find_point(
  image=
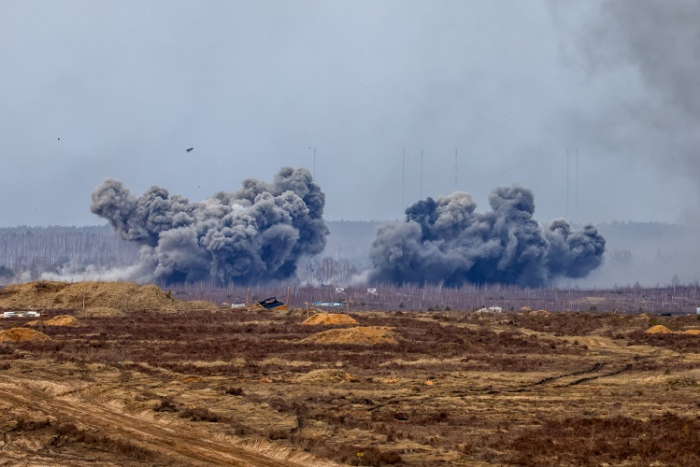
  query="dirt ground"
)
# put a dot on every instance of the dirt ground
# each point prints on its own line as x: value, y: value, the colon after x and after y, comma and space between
x: 254, y: 388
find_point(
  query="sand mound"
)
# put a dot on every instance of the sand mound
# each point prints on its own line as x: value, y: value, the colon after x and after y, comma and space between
x: 329, y: 318
x: 692, y: 332
x: 123, y: 296
x: 659, y: 329
x: 61, y: 320
x: 100, y: 312
x: 526, y: 309
x: 358, y: 335
x: 22, y: 335
x: 326, y: 376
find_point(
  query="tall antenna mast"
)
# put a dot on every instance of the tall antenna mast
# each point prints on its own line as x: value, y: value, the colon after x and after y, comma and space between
x: 456, y: 179
x: 576, y: 201
x: 567, y: 183
x: 403, y: 178
x: 421, y: 174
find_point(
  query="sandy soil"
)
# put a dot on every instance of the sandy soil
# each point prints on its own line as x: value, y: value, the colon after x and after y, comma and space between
x: 256, y: 388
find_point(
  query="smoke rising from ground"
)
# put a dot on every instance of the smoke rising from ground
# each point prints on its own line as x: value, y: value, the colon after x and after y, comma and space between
x: 650, y: 49
x: 256, y: 233
x: 446, y: 240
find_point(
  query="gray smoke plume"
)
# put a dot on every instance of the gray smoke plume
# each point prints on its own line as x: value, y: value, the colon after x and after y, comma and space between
x: 445, y: 240
x: 256, y: 233
x: 654, y: 47
x: 645, y: 53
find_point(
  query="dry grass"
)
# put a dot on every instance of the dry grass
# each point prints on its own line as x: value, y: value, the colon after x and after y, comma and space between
x: 123, y: 296
x: 100, y: 312
x: 450, y: 389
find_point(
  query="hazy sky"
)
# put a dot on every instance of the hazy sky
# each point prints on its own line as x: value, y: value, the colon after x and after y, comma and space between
x: 128, y: 86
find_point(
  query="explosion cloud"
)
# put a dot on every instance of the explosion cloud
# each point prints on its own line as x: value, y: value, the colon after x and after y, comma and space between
x: 447, y: 240
x: 256, y: 233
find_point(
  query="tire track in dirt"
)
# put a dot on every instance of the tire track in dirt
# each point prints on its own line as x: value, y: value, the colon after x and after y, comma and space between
x: 551, y: 379
x: 184, y: 444
x: 605, y: 375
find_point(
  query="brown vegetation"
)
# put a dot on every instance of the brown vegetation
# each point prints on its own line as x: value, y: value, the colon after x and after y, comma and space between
x: 100, y: 312
x: 451, y: 388
x: 123, y: 296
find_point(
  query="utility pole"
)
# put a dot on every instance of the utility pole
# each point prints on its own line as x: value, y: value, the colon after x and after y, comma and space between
x: 567, y: 183
x: 421, y: 174
x: 576, y: 200
x: 456, y: 167
x: 403, y: 179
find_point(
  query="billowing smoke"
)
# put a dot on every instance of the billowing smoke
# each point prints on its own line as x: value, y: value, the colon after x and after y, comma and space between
x: 446, y: 240
x: 643, y: 55
x: 256, y: 233
x: 653, y: 46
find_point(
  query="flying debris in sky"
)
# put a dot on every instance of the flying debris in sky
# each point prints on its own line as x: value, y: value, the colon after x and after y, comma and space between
x: 189, y: 149
x: 257, y: 233
x: 445, y: 240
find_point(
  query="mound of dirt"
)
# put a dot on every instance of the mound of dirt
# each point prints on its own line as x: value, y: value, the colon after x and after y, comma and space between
x: 329, y: 318
x: 326, y: 376
x: 123, y: 296
x: 692, y: 332
x: 60, y: 320
x: 304, y: 312
x: 659, y: 329
x: 358, y: 335
x: 22, y: 335
x: 100, y: 312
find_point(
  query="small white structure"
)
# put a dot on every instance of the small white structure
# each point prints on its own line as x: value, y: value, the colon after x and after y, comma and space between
x: 21, y: 314
x: 491, y: 309
x: 339, y: 289
x: 372, y: 291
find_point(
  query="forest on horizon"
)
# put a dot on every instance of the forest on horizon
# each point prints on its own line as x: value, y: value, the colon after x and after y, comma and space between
x: 637, y: 253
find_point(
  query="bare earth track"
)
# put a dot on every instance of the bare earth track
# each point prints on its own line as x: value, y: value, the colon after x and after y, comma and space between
x: 178, y: 444
x: 209, y: 387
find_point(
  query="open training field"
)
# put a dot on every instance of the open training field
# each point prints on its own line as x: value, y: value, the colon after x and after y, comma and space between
x: 207, y: 386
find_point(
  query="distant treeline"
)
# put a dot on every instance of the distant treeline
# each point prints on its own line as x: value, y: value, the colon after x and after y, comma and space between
x: 32, y: 250
x: 44, y: 248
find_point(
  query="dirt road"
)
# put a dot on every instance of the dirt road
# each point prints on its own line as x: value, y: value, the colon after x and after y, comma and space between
x: 181, y: 442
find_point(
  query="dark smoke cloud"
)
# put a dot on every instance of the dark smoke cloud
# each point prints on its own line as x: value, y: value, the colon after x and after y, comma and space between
x: 654, y: 47
x: 645, y: 52
x: 445, y: 239
x: 256, y: 233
